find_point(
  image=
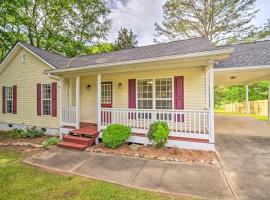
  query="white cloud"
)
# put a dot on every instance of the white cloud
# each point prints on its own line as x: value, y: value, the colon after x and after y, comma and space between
x: 138, y: 15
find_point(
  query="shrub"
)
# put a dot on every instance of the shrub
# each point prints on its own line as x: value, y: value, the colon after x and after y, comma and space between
x: 115, y: 135
x: 16, y: 133
x: 158, y: 133
x: 32, y: 132
x: 49, y: 142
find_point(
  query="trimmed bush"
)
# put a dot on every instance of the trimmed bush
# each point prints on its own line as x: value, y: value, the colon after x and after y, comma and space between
x: 50, y: 142
x: 158, y: 133
x: 32, y: 132
x: 115, y: 135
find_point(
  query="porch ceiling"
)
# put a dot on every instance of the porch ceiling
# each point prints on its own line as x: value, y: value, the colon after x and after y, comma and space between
x: 241, y: 75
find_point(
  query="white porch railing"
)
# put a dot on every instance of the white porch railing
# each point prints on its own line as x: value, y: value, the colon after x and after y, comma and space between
x: 68, y: 116
x: 182, y: 123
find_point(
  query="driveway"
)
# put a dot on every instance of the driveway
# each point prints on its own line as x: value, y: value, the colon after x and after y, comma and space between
x: 203, y: 180
x: 244, y: 147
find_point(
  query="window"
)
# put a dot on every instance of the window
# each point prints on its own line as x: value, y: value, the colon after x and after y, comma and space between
x: 106, y: 93
x: 145, y: 94
x: 164, y: 93
x: 9, y: 99
x: 155, y: 93
x: 46, y: 99
x: 23, y: 58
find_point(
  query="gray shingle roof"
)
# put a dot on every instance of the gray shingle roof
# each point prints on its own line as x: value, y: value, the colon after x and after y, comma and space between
x: 247, y: 54
x: 56, y: 60
x: 144, y: 52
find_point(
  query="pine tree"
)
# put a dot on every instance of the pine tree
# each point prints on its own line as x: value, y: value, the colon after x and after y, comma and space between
x: 126, y: 39
x: 218, y: 20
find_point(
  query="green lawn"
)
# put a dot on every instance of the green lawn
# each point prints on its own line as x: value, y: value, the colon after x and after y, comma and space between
x: 21, y: 181
x: 262, y: 118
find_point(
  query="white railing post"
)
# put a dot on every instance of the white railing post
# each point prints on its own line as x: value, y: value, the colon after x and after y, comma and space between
x: 78, y: 102
x: 211, y: 103
x: 247, y: 110
x: 99, y: 102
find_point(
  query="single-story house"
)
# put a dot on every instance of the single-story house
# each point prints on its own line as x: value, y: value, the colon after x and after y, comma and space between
x: 173, y: 82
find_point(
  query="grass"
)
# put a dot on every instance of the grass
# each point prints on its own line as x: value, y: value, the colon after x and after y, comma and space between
x: 21, y: 181
x: 262, y: 118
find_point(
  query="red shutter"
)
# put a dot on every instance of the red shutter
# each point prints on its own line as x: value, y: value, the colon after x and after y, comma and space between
x: 38, y: 99
x: 131, y: 95
x: 179, y: 95
x: 54, y: 99
x: 4, y: 99
x: 14, y: 99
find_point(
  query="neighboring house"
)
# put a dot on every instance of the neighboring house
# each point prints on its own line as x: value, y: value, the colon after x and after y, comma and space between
x: 172, y: 81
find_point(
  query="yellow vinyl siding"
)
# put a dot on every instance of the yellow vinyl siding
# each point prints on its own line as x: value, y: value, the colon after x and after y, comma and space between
x: 26, y: 75
x: 194, y: 89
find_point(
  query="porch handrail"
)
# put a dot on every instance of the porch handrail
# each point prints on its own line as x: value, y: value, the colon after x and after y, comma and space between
x: 182, y: 123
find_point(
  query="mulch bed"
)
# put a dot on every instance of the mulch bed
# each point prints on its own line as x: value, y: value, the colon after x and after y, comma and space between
x: 6, y: 140
x: 164, y: 154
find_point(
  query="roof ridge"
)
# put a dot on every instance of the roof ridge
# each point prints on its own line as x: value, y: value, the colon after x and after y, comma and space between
x: 156, y: 44
x: 243, y: 43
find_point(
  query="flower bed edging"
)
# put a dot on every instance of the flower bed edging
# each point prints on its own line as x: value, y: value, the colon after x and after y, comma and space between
x: 20, y: 144
x: 153, y: 157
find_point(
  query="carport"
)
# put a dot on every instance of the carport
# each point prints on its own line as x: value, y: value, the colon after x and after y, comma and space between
x: 249, y: 63
x: 243, y: 143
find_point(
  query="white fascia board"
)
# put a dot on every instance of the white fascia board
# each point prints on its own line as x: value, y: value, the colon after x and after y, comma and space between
x: 244, y: 68
x: 181, y: 56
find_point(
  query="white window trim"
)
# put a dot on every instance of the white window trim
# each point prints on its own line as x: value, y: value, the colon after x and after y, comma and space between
x: 154, y: 91
x: 6, y: 99
x: 46, y: 99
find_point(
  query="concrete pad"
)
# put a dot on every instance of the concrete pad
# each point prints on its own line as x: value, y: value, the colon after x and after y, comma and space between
x: 240, y: 125
x: 246, y: 162
x: 192, y: 179
x: 200, y: 180
x: 111, y: 168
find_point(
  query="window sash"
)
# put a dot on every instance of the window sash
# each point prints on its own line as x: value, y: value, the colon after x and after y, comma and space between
x: 106, y: 93
x: 160, y: 95
x: 46, y: 99
x: 9, y: 99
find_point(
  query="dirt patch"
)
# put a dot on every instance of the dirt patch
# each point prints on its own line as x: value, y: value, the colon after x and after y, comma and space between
x: 168, y: 154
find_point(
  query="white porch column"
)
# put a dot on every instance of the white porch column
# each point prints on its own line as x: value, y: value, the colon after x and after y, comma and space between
x: 70, y: 91
x: 247, y: 110
x: 211, y: 103
x: 269, y: 101
x: 98, y: 101
x: 78, y: 102
x: 61, y: 103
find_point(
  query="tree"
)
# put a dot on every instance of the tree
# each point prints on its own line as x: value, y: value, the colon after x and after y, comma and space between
x: 218, y: 20
x: 67, y: 27
x: 100, y: 48
x: 126, y: 39
x: 237, y: 93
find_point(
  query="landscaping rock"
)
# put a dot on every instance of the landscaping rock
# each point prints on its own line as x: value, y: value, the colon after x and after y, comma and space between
x: 134, y: 147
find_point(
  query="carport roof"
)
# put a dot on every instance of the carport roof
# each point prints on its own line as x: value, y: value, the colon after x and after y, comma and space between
x: 247, y: 55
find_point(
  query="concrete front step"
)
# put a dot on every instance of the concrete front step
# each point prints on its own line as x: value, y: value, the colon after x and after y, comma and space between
x: 71, y: 145
x: 78, y: 140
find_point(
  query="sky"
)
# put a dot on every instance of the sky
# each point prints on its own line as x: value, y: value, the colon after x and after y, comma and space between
x: 141, y: 15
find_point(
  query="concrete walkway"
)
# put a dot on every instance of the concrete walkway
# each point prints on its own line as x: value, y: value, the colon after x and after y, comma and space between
x: 205, y: 181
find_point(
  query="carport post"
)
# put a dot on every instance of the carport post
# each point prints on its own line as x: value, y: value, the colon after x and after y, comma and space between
x: 269, y: 101
x: 247, y: 110
x: 211, y: 103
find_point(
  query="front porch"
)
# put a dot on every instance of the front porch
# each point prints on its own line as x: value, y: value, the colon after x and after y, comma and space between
x: 104, y: 99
